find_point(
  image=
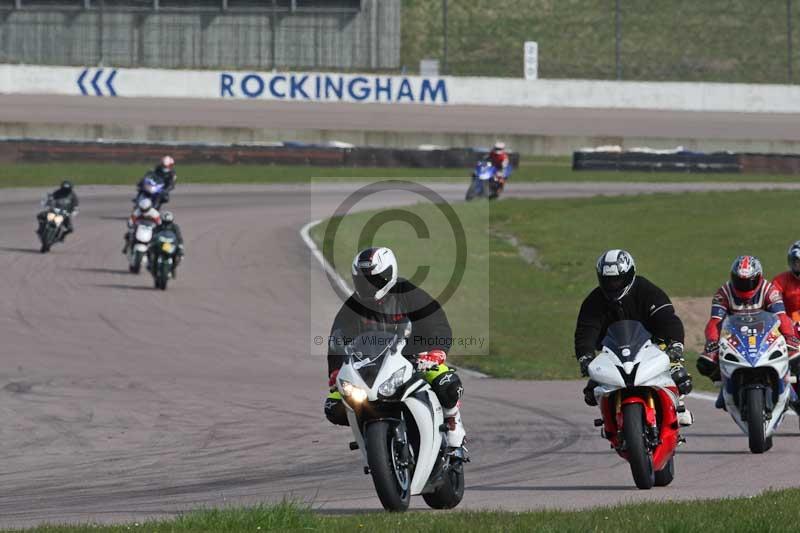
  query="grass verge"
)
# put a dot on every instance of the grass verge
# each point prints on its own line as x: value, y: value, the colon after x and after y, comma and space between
x: 531, y: 170
x: 770, y: 511
x: 684, y: 243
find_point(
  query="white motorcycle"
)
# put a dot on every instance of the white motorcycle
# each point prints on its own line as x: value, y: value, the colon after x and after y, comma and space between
x: 638, y: 400
x: 756, y: 383
x: 140, y: 236
x: 398, y: 424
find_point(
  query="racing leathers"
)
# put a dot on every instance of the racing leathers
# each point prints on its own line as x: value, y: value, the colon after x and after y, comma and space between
x: 645, y: 303
x: 137, y: 216
x: 176, y: 229
x: 766, y: 297
x: 65, y: 199
x: 788, y: 285
x: 430, y: 340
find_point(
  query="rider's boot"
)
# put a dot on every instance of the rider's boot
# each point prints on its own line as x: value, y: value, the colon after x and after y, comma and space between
x: 127, y: 243
x: 685, y: 417
x: 456, y: 434
x: 720, y: 403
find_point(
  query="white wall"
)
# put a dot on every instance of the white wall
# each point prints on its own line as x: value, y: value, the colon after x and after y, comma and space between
x: 324, y: 87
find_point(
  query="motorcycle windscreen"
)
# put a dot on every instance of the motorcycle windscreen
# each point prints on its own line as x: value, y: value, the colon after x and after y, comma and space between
x: 368, y: 351
x: 749, y: 333
x: 166, y: 236
x: 625, y: 338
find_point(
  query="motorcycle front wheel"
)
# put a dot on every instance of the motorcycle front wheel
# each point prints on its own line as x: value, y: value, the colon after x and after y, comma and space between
x: 638, y: 455
x: 756, y: 424
x: 136, y: 263
x: 392, y: 480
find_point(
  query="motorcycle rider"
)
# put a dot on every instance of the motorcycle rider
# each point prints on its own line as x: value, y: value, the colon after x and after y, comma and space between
x: 499, y: 158
x: 746, y: 291
x: 144, y: 211
x: 382, y: 300
x: 168, y: 224
x: 65, y: 198
x: 788, y: 285
x: 163, y: 172
x: 622, y: 295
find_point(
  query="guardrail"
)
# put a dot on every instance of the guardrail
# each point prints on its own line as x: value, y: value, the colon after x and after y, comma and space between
x: 45, y: 150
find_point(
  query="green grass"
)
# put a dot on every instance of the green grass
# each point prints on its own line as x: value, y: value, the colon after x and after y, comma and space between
x: 770, y: 511
x: 684, y: 243
x: 532, y: 170
x: 713, y: 40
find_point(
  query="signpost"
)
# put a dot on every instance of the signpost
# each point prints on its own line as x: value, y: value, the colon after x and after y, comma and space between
x: 531, y: 60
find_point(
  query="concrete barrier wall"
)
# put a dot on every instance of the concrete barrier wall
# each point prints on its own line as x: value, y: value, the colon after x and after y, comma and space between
x: 332, y: 87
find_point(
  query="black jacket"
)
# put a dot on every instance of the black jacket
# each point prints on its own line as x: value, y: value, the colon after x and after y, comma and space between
x: 430, y: 329
x: 65, y: 199
x: 645, y: 302
x: 173, y: 227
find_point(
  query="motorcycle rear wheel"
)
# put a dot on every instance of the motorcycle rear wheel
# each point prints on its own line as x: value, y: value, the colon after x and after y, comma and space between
x: 665, y: 476
x: 450, y: 493
x: 381, y: 457
x: 638, y: 455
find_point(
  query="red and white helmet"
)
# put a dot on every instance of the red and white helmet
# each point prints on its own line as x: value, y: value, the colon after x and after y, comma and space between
x: 167, y: 163
x: 374, y: 273
x: 746, y: 276
x: 499, y: 146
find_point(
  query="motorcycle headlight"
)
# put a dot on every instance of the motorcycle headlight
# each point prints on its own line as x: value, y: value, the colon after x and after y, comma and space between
x: 58, y: 219
x: 50, y: 217
x: 353, y: 393
x: 167, y: 247
x: 389, y: 387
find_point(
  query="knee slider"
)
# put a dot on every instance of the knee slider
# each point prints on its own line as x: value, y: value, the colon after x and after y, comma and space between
x: 448, y: 389
x: 335, y: 411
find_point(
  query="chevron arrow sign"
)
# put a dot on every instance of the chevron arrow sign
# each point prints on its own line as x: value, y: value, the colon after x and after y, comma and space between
x: 99, y: 82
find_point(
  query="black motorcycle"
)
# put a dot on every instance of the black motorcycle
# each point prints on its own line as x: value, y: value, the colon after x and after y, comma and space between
x: 162, y: 259
x: 52, y: 223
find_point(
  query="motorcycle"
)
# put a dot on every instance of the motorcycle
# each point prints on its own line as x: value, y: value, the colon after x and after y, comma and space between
x: 152, y: 189
x: 754, y: 366
x: 161, y: 258
x: 639, y: 402
x: 485, y: 181
x: 51, y: 231
x: 398, y: 424
x: 141, y: 234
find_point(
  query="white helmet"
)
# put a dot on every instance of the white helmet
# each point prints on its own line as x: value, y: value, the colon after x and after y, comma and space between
x: 145, y: 204
x: 616, y: 272
x: 499, y: 146
x: 374, y: 273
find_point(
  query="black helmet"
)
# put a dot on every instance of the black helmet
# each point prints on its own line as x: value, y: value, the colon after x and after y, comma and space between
x: 66, y: 185
x: 167, y: 216
x: 794, y: 259
x: 374, y: 273
x: 616, y: 273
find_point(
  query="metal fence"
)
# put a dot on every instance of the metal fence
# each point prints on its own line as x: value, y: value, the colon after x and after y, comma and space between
x: 302, y: 34
x: 688, y: 40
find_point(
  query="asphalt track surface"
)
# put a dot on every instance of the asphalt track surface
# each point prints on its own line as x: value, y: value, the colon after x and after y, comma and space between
x: 119, y: 402
x: 131, y: 112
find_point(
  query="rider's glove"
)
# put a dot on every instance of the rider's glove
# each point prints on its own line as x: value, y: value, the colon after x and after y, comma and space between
x: 430, y: 360
x: 584, y: 361
x: 675, y: 352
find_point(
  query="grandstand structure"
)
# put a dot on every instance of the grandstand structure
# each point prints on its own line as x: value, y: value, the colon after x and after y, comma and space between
x: 340, y: 35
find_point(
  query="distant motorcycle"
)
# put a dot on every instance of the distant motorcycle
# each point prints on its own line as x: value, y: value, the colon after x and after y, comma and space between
x: 51, y: 224
x: 141, y: 234
x: 398, y: 424
x: 485, y: 181
x: 152, y: 189
x: 638, y: 401
x: 162, y: 257
x: 754, y: 366
x: 53, y: 228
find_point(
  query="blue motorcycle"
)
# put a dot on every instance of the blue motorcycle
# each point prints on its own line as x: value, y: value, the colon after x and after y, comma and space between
x: 485, y: 181
x: 153, y: 189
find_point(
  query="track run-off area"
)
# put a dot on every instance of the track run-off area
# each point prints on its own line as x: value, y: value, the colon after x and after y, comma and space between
x: 120, y: 402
